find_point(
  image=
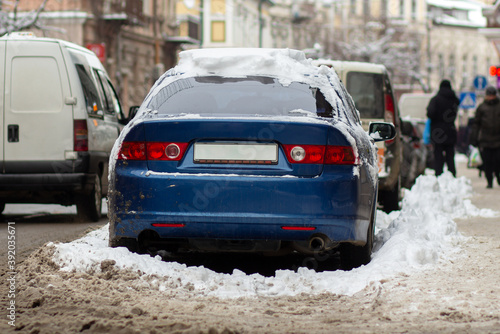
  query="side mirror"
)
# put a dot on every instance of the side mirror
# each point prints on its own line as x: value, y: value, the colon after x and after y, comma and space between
x: 132, y: 112
x: 381, y: 131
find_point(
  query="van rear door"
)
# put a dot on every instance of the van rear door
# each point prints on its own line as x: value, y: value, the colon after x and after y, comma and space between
x: 38, y: 119
x: 2, y: 90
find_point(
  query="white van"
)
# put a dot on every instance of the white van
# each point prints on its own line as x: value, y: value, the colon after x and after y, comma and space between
x: 370, y: 88
x: 59, y: 119
x: 414, y: 105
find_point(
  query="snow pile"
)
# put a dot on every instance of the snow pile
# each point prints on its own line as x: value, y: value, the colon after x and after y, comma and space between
x: 422, y: 234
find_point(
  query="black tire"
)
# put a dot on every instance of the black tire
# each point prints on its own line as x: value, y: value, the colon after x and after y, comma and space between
x: 2, y: 207
x: 89, y: 206
x: 131, y: 244
x: 389, y: 199
x: 352, y: 256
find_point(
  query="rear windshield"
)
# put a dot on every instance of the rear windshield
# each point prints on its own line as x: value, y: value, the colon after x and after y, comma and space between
x: 367, y: 91
x: 238, y: 96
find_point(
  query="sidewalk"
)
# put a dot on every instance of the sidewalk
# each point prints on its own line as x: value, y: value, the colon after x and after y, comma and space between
x: 482, y: 198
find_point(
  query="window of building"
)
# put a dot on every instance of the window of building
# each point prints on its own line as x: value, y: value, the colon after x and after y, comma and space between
x: 402, y: 8
x: 452, y: 68
x: 366, y: 7
x: 353, y: 7
x: 474, y: 65
x: 414, y: 9
x: 218, y: 6
x: 441, y: 65
x: 218, y: 31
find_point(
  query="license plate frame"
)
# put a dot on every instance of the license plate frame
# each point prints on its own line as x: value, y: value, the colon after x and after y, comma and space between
x: 235, y: 153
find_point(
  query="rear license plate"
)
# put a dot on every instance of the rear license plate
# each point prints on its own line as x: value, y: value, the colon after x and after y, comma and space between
x: 236, y: 153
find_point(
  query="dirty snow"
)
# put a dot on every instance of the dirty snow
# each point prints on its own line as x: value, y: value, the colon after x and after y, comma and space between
x: 421, y: 235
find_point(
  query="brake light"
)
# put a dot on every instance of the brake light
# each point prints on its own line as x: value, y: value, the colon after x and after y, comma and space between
x: 166, y: 151
x: 339, y: 155
x: 305, y: 154
x: 320, y: 154
x: 390, y: 113
x: 152, y: 151
x: 81, y: 135
x: 132, y: 151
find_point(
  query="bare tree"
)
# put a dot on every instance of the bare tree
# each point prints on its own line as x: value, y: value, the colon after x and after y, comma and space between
x: 10, y: 21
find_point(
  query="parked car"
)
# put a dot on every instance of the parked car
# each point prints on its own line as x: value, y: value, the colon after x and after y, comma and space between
x: 414, y: 152
x: 413, y: 108
x: 249, y: 150
x: 61, y: 117
x: 370, y: 87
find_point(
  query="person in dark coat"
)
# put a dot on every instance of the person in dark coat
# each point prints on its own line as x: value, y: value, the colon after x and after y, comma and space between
x: 485, y: 134
x: 442, y: 111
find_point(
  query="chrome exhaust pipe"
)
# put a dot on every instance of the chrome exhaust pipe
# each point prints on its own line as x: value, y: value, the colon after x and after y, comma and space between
x: 317, y: 244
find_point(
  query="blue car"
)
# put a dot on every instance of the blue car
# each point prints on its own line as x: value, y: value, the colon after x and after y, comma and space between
x: 246, y: 150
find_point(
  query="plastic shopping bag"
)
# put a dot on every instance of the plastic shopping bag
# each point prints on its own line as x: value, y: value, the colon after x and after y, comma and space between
x: 474, y: 158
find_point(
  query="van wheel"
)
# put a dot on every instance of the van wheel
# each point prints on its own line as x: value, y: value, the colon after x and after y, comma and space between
x: 390, y: 198
x: 89, y: 206
x: 352, y: 256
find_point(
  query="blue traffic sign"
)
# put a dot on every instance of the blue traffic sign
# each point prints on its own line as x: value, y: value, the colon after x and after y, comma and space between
x: 467, y: 100
x: 480, y: 82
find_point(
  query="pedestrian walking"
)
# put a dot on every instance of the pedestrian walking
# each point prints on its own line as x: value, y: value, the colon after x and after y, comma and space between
x: 442, y: 112
x: 485, y: 134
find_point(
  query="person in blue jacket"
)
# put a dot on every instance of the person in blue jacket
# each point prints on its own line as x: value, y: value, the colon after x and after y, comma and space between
x: 442, y: 111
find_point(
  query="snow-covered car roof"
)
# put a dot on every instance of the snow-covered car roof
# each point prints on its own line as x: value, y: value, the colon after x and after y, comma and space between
x: 286, y: 65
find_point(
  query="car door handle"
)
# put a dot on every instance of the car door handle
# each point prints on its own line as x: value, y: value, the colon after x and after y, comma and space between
x: 13, y: 133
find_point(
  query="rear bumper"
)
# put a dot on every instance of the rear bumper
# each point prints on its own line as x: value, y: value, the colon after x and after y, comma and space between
x: 337, y: 205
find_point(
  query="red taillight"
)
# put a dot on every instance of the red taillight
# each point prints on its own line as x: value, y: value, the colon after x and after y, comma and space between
x: 81, y: 135
x: 320, y: 154
x: 390, y: 113
x: 339, y: 155
x: 152, y: 151
x: 305, y: 154
x: 166, y: 151
x: 132, y: 151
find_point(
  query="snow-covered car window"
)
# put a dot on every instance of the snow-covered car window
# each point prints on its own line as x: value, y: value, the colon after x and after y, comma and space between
x: 238, y: 96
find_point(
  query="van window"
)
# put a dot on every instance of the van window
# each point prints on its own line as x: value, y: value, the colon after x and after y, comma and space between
x: 367, y: 91
x: 36, y: 85
x: 112, y: 104
x: 89, y: 90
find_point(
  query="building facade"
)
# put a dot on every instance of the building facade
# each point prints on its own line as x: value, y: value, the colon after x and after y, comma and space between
x: 130, y: 37
x: 420, y: 41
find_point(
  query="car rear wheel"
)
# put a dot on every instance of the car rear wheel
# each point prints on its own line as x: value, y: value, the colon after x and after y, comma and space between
x: 89, y: 206
x: 352, y: 256
x: 129, y: 243
x: 389, y: 199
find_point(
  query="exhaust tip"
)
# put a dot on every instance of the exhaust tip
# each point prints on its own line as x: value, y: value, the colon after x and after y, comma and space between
x: 317, y: 244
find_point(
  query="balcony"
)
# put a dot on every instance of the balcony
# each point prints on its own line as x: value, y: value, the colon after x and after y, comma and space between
x: 130, y: 11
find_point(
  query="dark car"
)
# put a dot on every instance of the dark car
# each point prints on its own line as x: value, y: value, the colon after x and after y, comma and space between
x: 248, y: 150
x: 370, y: 86
x: 415, y: 152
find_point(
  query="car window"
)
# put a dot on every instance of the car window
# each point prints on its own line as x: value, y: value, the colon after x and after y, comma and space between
x: 92, y: 101
x: 367, y: 91
x: 112, y: 104
x: 238, y: 96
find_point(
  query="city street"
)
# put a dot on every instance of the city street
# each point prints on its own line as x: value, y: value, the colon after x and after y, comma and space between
x: 454, y: 296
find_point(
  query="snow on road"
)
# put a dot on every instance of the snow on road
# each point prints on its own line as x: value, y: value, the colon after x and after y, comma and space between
x: 419, y: 236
